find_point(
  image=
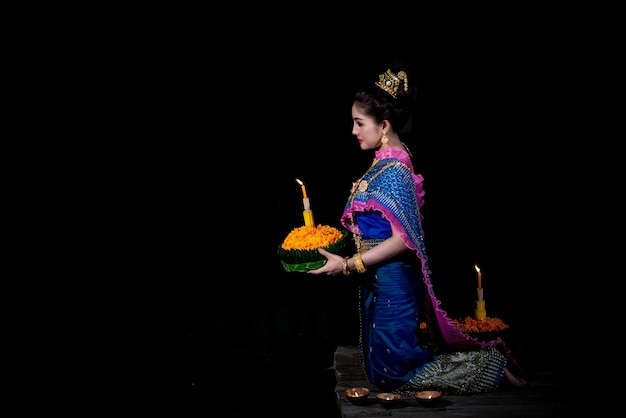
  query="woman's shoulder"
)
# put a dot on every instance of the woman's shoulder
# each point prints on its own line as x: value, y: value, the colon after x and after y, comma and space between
x: 393, y: 163
x: 390, y: 171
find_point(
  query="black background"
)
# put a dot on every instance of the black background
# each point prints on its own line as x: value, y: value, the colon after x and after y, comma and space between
x: 218, y: 138
x: 209, y: 131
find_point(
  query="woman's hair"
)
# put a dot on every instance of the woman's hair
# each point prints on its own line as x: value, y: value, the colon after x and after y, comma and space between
x: 392, y: 97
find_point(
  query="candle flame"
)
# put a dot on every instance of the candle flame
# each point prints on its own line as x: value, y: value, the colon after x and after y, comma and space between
x: 476, y: 268
x: 301, y: 183
x: 430, y: 396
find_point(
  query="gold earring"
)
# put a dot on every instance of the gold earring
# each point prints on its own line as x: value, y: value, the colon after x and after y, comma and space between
x: 384, y: 141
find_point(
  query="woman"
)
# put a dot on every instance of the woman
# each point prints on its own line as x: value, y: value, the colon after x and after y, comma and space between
x: 396, y: 293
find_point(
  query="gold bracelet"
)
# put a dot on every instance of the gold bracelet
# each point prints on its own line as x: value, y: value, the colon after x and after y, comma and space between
x: 358, y: 263
x: 344, y: 267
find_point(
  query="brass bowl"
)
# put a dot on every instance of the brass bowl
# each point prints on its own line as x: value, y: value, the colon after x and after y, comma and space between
x: 357, y: 396
x: 428, y: 397
x: 388, y: 399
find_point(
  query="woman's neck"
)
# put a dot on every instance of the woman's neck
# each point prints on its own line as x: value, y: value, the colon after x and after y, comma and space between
x: 393, y: 140
x: 391, y: 152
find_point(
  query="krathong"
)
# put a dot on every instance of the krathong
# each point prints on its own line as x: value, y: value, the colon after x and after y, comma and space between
x: 298, y: 251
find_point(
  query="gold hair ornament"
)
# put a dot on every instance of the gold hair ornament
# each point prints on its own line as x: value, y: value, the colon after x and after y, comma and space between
x: 390, y: 82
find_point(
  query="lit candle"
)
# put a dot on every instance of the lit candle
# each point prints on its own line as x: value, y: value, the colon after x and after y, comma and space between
x: 301, y: 183
x: 480, y: 312
x: 479, y: 275
x: 303, y: 189
x: 308, y: 213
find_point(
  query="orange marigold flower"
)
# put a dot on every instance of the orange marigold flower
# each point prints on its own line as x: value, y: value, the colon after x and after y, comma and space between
x: 472, y: 325
x: 311, y: 237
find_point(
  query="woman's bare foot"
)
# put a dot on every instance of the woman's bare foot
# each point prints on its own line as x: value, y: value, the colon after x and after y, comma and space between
x: 514, y: 381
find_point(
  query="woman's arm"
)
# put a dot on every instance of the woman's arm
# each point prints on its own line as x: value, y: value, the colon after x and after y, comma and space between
x: 387, y: 249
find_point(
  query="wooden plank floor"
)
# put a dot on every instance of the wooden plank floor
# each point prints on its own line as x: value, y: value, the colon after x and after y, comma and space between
x: 554, y: 391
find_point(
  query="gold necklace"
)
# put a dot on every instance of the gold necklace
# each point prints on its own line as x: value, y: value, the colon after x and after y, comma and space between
x: 358, y: 182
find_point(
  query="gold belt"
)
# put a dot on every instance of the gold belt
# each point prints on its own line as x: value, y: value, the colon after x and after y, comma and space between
x: 368, y: 244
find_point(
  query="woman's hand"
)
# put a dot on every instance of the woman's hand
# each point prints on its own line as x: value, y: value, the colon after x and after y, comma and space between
x: 333, y: 264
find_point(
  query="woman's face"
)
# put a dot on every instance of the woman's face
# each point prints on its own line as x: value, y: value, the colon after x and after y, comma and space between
x: 366, y: 130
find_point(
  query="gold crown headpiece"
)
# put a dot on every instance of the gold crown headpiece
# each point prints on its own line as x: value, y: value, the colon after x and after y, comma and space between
x: 390, y: 82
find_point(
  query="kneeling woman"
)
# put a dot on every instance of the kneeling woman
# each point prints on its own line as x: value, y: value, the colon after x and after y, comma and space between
x: 396, y: 292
